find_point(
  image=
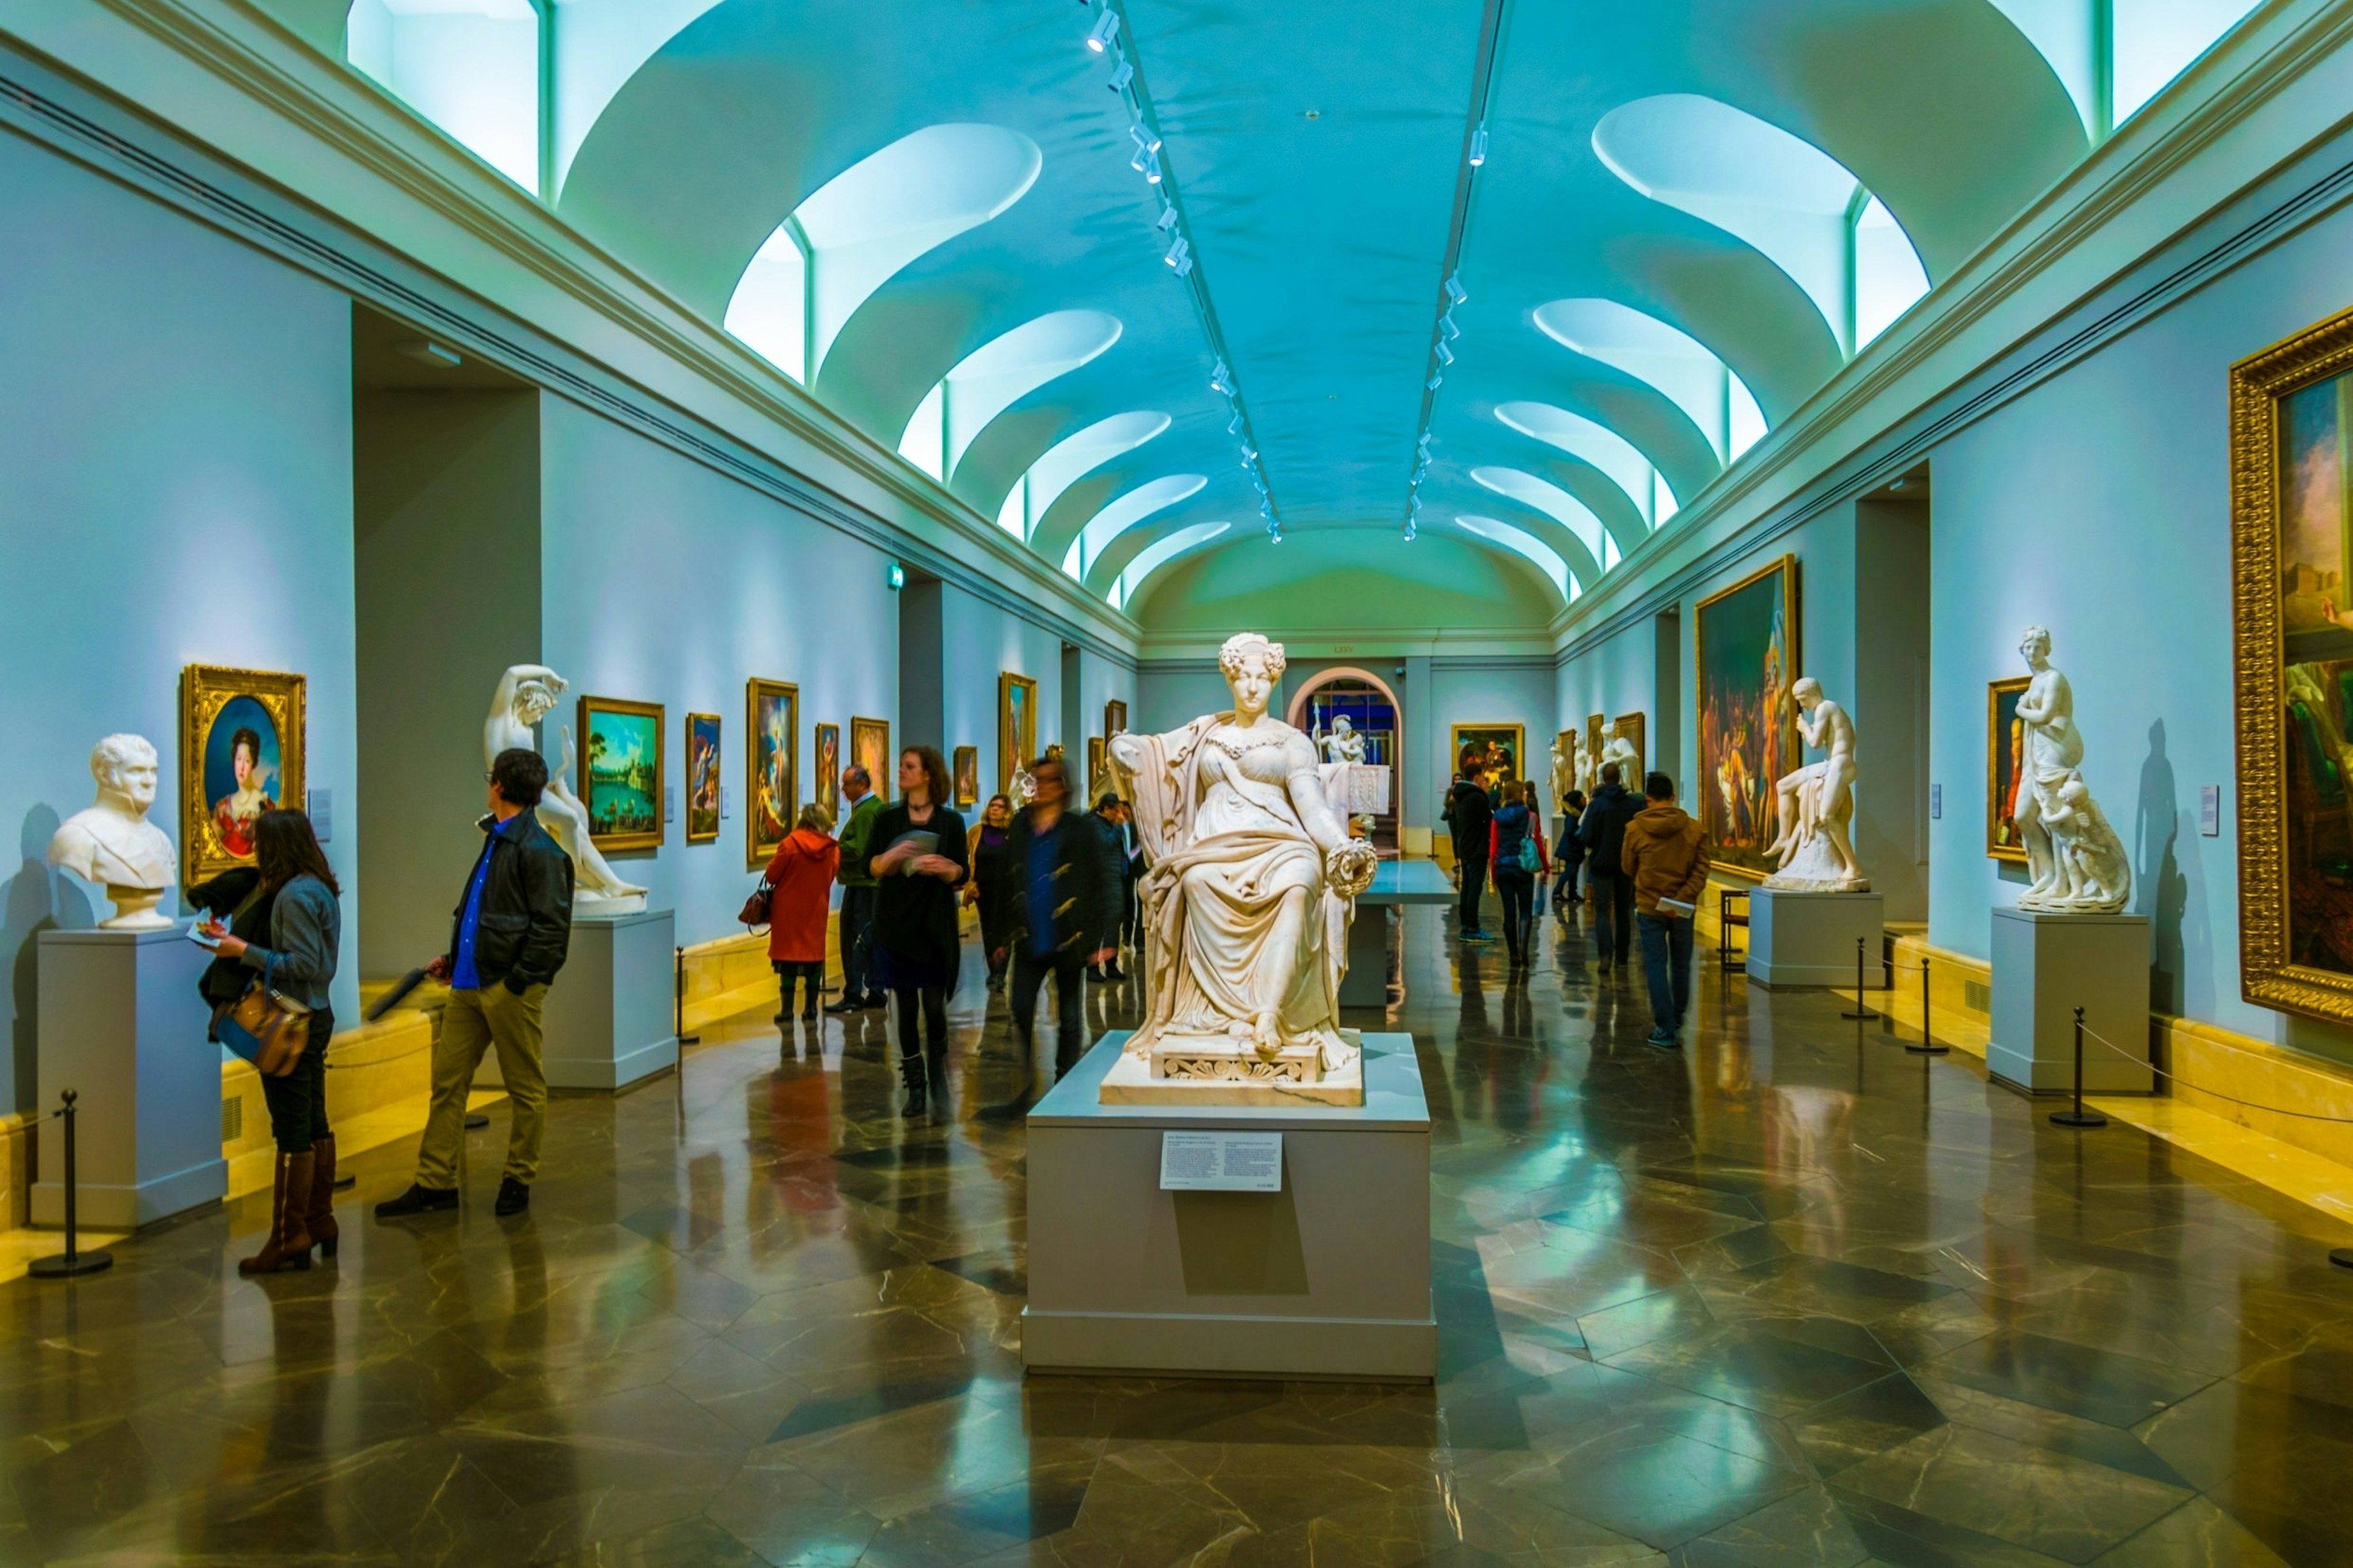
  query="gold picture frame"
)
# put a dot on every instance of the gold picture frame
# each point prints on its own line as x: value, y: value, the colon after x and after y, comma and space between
x: 1115, y: 719
x: 1487, y: 737
x: 1017, y: 725
x: 1738, y: 805
x: 966, y: 769
x: 869, y: 747
x: 702, y: 777
x: 825, y: 783
x: 1634, y: 728
x: 2291, y: 649
x: 772, y: 766
x: 622, y: 796
x: 225, y: 714
x: 1098, y: 767
x: 2001, y: 767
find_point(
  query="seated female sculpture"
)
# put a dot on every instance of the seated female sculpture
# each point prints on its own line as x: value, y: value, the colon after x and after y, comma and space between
x: 1252, y: 882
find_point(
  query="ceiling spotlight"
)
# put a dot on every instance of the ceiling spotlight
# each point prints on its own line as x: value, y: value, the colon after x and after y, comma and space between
x: 1447, y: 329
x: 1409, y: 530
x: 1168, y: 219
x: 1105, y: 29
x: 1422, y: 446
x: 1185, y: 267
x: 1234, y: 426
x: 1220, y: 382
x: 1120, y: 77
x: 1478, y: 142
x: 1151, y: 166
x: 1445, y: 354
x: 1146, y: 141
x: 1454, y: 289
x: 1436, y: 381
x: 1178, y: 249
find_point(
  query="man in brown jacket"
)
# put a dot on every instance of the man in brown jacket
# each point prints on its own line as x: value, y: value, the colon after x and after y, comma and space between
x: 1665, y: 855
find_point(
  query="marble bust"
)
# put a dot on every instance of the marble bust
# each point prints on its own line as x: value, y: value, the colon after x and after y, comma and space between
x: 113, y: 843
x: 1253, y: 880
x: 2075, y: 860
x: 1815, y: 850
x: 526, y: 694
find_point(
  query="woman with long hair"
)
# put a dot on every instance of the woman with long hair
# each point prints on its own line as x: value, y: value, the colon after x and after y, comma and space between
x: 991, y: 888
x: 305, y: 934
x: 918, y: 859
x: 1515, y: 849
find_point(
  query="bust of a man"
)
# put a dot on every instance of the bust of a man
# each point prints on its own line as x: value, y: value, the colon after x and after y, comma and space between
x: 112, y: 842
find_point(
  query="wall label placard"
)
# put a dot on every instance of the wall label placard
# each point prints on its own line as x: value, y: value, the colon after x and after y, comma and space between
x: 2210, y: 810
x: 321, y: 803
x: 1935, y: 803
x: 1222, y: 1162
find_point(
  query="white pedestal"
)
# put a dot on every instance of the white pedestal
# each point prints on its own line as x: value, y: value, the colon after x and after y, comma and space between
x: 2047, y: 965
x: 1808, y: 939
x: 121, y: 1024
x: 610, y: 1012
x: 1327, y: 1278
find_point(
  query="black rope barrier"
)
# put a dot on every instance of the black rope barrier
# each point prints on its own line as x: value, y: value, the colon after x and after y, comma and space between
x: 1861, y: 1004
x: 1925, y: 1045
x: 73, y: 1261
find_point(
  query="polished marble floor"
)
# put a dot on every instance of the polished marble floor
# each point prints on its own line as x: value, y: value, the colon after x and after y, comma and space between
x: 1790, y: 1296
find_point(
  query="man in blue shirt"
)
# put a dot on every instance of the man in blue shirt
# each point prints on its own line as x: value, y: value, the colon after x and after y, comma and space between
x: 1064, y: 907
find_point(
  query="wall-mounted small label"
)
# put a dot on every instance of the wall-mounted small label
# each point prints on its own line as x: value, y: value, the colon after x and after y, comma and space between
x: 670, y: 803
x: 1222, y: 1162
x: 2210, y: 810
x: 726, y: 802
x: 1935, y: 803
x: 318, y: 805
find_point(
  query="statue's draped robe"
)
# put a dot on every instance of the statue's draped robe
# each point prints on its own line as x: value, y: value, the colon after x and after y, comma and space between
x: 1211, y: 901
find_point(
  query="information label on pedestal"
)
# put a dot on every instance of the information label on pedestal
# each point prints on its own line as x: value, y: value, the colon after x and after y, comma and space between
x: 1222, y: 1162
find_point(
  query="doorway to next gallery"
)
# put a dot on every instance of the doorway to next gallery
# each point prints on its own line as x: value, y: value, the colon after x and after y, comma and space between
x: 1372, y: 711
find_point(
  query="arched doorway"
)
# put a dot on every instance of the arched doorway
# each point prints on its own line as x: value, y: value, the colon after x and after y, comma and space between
x: 1372, y: 711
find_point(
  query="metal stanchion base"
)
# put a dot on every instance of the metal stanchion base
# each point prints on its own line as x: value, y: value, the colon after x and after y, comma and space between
x: 2078, y: 1119
x: 2342, y: 1257
x: 1927, y: 1048
x: 63, y: 1268
x: 1864, y: 1017
x: 476, y: 1122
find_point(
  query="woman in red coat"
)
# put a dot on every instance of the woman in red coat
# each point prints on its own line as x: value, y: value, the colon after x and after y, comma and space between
x: 802, y: 876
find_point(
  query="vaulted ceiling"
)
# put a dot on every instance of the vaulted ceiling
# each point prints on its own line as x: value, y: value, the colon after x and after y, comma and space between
x: 1148, y: 280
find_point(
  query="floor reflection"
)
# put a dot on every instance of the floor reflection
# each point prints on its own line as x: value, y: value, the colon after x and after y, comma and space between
x: 1789, y: 1295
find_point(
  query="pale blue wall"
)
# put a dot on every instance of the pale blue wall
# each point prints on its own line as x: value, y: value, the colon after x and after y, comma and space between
x: 1479, y: 692
x: 174, y: 488
x: 979, y: 642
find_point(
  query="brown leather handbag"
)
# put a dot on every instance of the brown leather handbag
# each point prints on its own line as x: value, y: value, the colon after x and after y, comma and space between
x: 755, y: 911
x: 265, y: 1029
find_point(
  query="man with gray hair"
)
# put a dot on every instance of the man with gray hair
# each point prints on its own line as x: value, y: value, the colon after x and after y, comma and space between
x: 859, y: 990
x: 113, y: 843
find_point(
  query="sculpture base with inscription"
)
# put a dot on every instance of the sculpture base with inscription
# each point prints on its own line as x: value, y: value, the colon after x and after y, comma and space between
x: 1223, y: 1071
x: 1288, y: 1240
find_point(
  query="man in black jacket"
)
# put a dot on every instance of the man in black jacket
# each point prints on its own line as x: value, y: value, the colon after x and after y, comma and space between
x: 511, y: 930
x: 1602, y: 830
x: 1470, y: 812
x: 1064, y: 905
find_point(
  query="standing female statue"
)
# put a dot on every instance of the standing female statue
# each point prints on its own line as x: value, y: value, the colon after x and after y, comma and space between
x: 526, y: 694
x: 1252, y: 882
x: 2075, y: 859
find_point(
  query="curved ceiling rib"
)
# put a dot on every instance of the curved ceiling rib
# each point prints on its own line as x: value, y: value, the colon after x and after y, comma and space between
x: 1160, y: 553
x: 1669, y: 359
x: 1129, y: 509
x: 598, y: 45
x: 1070, y: 458
x: 993, y: 376
x: 1646, y: 488
x: 1105, y: 570
x: 1543, y: 496
x: 1519, y: 540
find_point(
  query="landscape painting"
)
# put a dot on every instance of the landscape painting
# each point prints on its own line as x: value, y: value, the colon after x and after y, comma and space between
x: 701, y: 778
x: 1746, y: 656
x: 621, y: 771
x: 772, y: 784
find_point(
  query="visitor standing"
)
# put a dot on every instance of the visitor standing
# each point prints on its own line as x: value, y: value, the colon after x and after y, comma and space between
x: 1516, y: 848
x: 1665, y: 855
x: 1110, y: 820
x: 859, y: 991
x: 510, y: 933
x: 1065, y: 884
x: 1572, y: 852
x: 1603, y: 832
x: 1470, y: 816
x: 800, y: 882
x: 916, y: 855
x: 305, y: 930
x: 991, y: 888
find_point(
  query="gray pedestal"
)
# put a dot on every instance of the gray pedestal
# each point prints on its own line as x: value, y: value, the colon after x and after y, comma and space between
x: 1327, y: 1278
x: 610, y: 1012
x: 120, y: 1022
x: 2046, y: 966
x: 1808, y: 939
x: 1396, y: 884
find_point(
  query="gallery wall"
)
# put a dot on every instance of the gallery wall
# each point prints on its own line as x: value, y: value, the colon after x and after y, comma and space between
x: 175, y: 490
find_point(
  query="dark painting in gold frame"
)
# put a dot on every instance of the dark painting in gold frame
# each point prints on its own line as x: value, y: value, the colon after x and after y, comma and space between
x: 772, y: 766
x: 1493, y: 755
x: 1017, y: 725
x: 702, y: 778
x: 826, y: 776
x: 1745, y: 658
x: 2291, y: 551
x: 2003, y: 753
x: 243, y: 742
x: 967, y: 770
x: 1098, y: 767
x: 1634, y: 729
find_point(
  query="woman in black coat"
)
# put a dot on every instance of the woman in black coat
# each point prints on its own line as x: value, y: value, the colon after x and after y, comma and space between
x: 918, y: 860
x: 991, y: 888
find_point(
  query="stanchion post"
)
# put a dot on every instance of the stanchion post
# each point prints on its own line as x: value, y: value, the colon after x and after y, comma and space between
x: 2078, y: 1116
x: 1862, y: 1009
x: 73, y: 1260
x: 1925, y: 1045
x: 678, y: 1003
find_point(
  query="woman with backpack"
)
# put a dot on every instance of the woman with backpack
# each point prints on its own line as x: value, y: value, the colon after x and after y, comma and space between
x: 1515, y: 850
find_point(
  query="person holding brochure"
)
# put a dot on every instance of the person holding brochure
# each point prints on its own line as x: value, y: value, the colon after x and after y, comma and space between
x: 1664, y: 858
x: 918, y: 862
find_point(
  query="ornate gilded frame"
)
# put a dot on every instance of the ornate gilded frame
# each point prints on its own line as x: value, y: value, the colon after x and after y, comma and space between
x: 1519, y: 734
x: 2267, y: 977
x: 205, y: 690
x: 1995, y: 691
x: 759, y: 851
x: 965, y: 769
x: 630, y: 838
x: 883, y: 780
x: 718, y: 745
x: 1704, y: 771
x: 1013, y: 748
x: 1115, y: 719
x: 825, y: 786
x: 1635, y: 727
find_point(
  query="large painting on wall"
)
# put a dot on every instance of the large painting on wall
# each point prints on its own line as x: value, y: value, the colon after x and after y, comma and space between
x: 701, y: 778
x: 771, y: 757
x: 1016, y: 724
x: 2002, y: 752
x: 1489, y: 753
x: 2292, y: 548
x: 827, y: 791
x: 870, y: 748
x: 621, y: 771
x: 241, y: 753
x: 1746, y: 657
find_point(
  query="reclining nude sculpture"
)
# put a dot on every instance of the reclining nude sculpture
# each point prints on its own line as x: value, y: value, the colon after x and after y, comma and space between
x: 1246, y: 906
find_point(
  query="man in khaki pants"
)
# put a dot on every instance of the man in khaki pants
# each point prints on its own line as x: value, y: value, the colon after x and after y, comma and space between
x: 511, y: 930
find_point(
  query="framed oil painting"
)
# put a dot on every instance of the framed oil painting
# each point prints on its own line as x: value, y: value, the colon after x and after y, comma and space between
x: 1114, y: 717
x: 1594, y: 741
x: 1489, y: 752
x: 1746, y: 658
x: 702, y: 778
x: 826, y: 788
x: 1016, y: 724
x: 1634, y: 729
x: 1098, y: 767
x: 2290, y: 549
x: 967, y: 776
x: 621, y: 771
x: 772, y: 770
x: 2002, y: 752
x: 241, y: 753
x: 870, y: 748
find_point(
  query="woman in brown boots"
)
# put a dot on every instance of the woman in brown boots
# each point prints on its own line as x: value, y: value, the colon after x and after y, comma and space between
x: 304, y: 935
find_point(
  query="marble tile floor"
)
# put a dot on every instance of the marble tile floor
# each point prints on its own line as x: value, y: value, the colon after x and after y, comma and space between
x: 1789, y: 1296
